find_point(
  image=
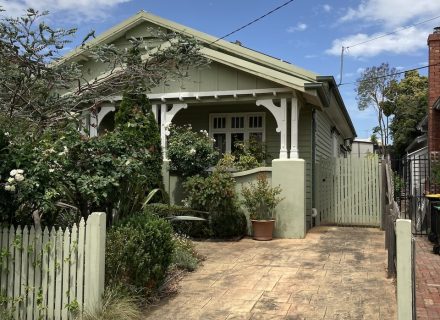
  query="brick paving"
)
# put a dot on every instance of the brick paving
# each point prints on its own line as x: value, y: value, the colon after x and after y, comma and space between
x: 427, y: 280
x: 335, y: 273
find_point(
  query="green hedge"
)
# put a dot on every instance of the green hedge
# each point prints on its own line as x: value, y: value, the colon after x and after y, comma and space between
x: 138, y: 252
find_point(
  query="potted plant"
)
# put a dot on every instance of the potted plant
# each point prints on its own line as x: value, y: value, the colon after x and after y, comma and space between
x: 260, y: 199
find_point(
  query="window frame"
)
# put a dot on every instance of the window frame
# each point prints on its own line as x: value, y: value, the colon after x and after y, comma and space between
x: 228, y: 130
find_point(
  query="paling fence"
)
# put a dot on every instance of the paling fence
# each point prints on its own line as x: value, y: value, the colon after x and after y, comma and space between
x: 349, y: 191
x: 52, y: 274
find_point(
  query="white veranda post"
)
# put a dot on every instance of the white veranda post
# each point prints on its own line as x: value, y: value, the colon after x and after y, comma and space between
x: 294, y: 116
x: 280, y: 115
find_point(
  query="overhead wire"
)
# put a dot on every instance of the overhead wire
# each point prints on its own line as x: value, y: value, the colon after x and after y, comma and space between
x: 389, y: 75
x: 253, y: 21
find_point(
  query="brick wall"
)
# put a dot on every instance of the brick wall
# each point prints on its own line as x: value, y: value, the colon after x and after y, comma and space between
x: 434, y: 91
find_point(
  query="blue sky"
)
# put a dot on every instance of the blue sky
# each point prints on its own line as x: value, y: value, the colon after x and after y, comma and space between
x: 306, y: 33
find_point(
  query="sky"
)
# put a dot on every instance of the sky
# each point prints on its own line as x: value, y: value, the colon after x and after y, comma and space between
x: 309, y: 34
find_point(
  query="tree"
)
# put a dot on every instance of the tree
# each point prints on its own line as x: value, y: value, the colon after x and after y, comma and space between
x: 408, y: 99
x: 372, y: 91
x: 41, y: 88
x: 48, y: 169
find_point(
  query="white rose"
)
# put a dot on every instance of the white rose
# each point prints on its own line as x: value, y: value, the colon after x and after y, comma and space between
x: 7, y: 187
x: 12, y: 188
x: 192, y: 151
x: 11, y: 180
x: 19, y: 177
x: 20, y: 171
x: 13, y: 173
x: 51, y: 170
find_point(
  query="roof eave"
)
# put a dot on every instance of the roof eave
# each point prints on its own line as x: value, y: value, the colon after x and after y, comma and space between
x: 334, y: 87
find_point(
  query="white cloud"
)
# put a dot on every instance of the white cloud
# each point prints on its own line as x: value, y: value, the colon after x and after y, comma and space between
x: 327, y: 7
x: 393, y: 13
x: 299, y: 27
x: 77, y: 9
x: 405, y: 41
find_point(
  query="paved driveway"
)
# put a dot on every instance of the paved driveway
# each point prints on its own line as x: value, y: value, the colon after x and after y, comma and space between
x: 335, y: 273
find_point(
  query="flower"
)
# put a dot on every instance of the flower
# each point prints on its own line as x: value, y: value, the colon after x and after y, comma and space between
x: 10, y: 188
x: 192, y: 151
x: 7, y: 134
x: 20, y: 171
x: 51, y: 170
x: 19, y: 177
x: 13, y: 173
x: 11, y: 180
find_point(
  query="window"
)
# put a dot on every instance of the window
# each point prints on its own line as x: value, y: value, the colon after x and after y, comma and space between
x: 228, y: 129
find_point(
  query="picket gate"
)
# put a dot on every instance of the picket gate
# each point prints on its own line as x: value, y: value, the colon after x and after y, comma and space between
x: 52, y: 274
x: 348, y: 191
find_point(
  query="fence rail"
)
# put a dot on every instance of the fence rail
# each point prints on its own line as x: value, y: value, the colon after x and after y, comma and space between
x: 52, y: 274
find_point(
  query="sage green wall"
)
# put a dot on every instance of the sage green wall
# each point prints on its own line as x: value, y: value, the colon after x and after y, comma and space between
x: 198, y: 117
x: 323, y: 136
x: 305, y: 152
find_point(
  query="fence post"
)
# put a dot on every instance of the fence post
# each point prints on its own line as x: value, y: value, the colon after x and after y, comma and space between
x: 95, y: 261
x: 404, y: 272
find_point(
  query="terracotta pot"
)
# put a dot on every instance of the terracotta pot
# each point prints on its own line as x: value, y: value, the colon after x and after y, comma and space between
x: 262, y: 229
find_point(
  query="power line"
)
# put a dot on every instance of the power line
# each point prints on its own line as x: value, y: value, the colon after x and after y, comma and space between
x: 253, y: 21
x: 389, y: 75
x: 392, y: 32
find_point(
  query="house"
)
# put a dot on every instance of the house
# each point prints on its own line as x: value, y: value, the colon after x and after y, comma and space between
x: 299, y: 114
x: 361, y: 148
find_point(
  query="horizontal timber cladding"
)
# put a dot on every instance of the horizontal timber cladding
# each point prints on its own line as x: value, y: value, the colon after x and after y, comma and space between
x: 305, y: 152
x: 348, y: 192
x: 52, y: 274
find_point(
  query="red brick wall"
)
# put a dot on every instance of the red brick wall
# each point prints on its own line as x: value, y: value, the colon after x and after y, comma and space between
x: 434, y: 91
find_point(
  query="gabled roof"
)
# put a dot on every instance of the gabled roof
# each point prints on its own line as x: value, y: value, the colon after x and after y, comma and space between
x: 235, y: 56
x: 213, y: 48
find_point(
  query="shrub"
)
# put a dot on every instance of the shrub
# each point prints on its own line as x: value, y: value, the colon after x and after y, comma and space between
x: 260, y: 198
x: 139, y: 252
x: 190, y: 152
x: 229, y: 224
x: 185, y: 256
x: 216, y: 194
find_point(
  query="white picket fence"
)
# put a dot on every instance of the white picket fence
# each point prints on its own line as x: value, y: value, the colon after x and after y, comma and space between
x: 348, y: 191
x: 53, y: 274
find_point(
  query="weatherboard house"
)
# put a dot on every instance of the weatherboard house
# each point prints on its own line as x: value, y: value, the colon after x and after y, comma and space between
x: 299, y: 114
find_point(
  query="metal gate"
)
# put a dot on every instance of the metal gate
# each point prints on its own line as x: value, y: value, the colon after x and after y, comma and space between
x: 348, y: 191
x: 411, y: 184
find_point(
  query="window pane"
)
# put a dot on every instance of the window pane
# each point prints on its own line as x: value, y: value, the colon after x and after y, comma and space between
x: 236, y: 137
x: 256, y: 136
x: 220, y: 142
x: 219, y: 123
x: 237, y: 122
x: 255, y: 122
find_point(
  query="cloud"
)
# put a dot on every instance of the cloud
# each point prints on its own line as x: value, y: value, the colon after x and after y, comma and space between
x: 81, y: 10
x: 327, y: 8
x: 403, y: 42
x: 392, y: 13
x: 299, y: 27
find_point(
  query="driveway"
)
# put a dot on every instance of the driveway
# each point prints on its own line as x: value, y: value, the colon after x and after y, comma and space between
x: 334, y: 273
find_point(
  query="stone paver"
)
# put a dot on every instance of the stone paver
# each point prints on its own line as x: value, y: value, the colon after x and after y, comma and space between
x: 427, y: 280
x: 335, y: 273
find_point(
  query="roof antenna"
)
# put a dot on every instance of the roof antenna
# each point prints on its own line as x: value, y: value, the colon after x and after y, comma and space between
x: 342, y: 65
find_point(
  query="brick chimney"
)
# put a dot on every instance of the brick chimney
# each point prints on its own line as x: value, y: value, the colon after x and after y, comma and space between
x: 434, y: 94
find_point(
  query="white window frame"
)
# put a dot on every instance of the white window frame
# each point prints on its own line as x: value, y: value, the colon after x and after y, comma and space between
x: 229, y: 130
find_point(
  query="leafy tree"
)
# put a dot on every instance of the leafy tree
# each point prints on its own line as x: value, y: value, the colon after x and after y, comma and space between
x: 372, y: 91
x: 38, y: 86
x: 51, y: 173
x: 408, y: 100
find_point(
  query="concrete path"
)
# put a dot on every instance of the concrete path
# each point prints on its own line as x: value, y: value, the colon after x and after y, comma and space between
x: 335, y: 273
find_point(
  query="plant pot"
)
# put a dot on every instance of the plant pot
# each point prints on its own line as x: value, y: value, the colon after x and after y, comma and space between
x: 262, y: 230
